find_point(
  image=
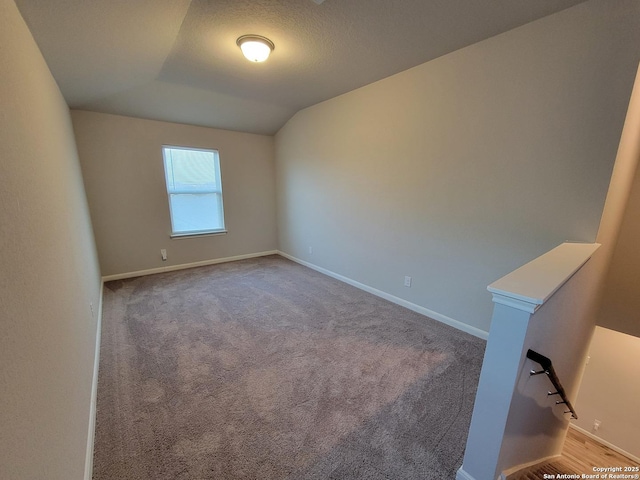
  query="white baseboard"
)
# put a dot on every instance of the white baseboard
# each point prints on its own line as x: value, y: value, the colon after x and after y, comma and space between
x: 462, y: 475
x: 171, y: 268
x: 604, y: 442
x: 392, y: 298
x: 504, y: 475
x: 379, y: 293
x: 88, y: 462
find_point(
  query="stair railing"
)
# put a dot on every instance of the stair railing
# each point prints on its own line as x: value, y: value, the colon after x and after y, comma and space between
x: 547, y: 368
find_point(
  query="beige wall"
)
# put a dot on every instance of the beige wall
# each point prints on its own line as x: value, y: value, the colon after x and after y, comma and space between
x: 561, y: 329
x: 123, y: 171
x: 461, y: 169
x: 610, y: 390
x: 620, y: 308
x: 48, y: 271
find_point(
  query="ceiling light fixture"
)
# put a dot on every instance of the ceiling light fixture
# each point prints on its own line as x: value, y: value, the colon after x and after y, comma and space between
x: 255, y: 48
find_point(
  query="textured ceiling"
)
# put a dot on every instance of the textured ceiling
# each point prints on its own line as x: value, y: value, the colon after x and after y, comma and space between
x: 177, y: 60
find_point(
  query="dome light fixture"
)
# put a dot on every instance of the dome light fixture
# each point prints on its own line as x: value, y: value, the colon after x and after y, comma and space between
x: 255, y: 48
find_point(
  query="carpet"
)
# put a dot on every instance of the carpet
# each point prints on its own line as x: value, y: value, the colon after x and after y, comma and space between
x: 265, y: 369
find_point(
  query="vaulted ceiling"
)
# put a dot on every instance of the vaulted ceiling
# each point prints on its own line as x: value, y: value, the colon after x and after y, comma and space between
x: 177, y: 60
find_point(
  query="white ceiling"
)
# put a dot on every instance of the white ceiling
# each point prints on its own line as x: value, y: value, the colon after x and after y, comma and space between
x: 177, y: 60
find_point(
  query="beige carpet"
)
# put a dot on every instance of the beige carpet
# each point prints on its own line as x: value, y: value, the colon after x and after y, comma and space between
x: 264, y: 369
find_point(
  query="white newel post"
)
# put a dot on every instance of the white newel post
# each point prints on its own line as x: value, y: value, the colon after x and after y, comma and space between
x: 517, y: 297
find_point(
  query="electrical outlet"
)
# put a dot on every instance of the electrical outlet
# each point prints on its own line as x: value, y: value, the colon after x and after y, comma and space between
x: 163, y: 252
x: 407, y: 281
x: 310, y: 250
x: 596, y: 425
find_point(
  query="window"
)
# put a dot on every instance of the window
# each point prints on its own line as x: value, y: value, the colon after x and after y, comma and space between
x: 194, y: 188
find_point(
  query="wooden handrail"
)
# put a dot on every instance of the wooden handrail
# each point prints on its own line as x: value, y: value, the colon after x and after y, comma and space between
x: 547, y: 368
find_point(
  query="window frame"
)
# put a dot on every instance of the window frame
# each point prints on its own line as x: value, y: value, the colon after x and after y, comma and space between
x: 218, y: 191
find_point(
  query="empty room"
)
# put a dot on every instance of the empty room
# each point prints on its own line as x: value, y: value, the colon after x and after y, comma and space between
x: 319, y: 239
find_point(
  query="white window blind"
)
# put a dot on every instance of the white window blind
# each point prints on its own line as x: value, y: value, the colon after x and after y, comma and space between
x: 194, y: 188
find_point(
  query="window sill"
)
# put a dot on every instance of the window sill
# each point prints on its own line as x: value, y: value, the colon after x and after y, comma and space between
x: 178, y: 236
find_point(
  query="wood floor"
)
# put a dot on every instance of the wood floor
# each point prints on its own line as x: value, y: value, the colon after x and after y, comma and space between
x: 579, y: 456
